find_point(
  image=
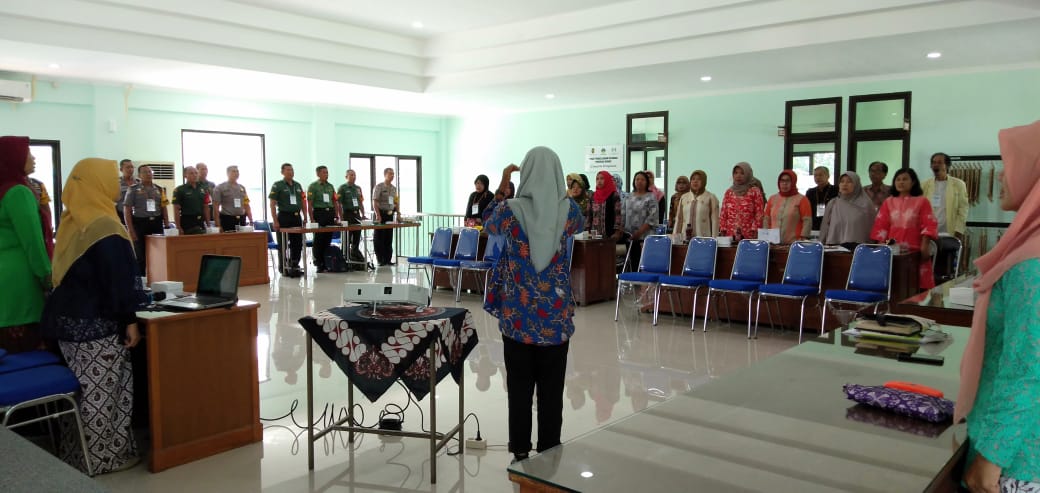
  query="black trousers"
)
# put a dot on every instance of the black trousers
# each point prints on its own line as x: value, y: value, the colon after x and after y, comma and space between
x: 228, y: 222
x: 324, y: 217
x: 353, y: 237
x: 531, y: 369
x: 290, y: 220
x: 945, y: 258
x: 192, y: 225
x: 383, y: 239
x: 145, y: 226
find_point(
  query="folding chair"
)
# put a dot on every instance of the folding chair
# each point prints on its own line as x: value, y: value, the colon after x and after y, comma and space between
x: 465, y: 250
x: 655, y: 261
x: 440, y: 248
x: 869, y: 282
x: 803, y: 277
x: 698, y: 270
x: 492, y: 251
x: 750, y: 270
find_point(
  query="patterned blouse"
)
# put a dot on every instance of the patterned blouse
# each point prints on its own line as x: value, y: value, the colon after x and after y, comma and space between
x: 640, y: 210
x: 1003, y: 424
x: 791, y: 215
x: 741, y: 212
x: 905, y: 220
x: 597, y: 216
x: 531, y: 307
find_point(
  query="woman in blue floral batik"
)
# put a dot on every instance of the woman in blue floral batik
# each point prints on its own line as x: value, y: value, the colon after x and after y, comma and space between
x: 1000, y: 371
x: 530, y: 294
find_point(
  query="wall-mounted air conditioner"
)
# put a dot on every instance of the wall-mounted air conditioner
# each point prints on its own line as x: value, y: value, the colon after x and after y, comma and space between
x: 15, y: 91
x: 164, y: 175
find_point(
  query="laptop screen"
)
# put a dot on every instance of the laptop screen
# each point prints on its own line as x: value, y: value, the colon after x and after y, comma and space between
x: 218, y: 276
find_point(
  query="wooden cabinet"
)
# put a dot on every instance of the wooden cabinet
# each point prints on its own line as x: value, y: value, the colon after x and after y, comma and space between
x: 177, y: 258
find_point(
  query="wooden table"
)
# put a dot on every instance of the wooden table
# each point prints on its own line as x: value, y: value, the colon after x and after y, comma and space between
x: 593, y: 277
x: 783, y: 424
x: 935, y: 304
x: 177, y: 258
x: 836, y: 266
x: 203, y: 390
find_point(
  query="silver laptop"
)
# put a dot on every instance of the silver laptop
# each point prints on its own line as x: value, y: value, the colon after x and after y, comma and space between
x: 217, y: 286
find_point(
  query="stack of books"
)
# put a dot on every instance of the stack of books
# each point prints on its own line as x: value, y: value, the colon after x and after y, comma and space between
x: 895, y: 333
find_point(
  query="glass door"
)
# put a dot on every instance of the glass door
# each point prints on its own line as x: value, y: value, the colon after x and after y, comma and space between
x: 48, y: 171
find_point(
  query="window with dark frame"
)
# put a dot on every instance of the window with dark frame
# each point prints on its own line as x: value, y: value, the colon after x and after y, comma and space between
x: 879, y: 130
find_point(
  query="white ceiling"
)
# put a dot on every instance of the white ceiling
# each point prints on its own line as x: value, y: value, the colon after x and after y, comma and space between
x: 484, y: 55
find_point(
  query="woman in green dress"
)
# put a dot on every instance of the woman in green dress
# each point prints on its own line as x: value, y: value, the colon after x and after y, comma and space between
x: 1000, y: 372
x: 23, y: 255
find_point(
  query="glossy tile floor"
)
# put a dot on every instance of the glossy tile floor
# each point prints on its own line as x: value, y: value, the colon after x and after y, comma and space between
x: 614, y: 369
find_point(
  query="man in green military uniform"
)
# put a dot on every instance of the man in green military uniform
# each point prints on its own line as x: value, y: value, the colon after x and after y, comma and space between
x: 208, y: 185
x: 191, y: 204
x: 321, y: 199
x: 287, y: 199
x: 351, y: 208
x: 231, y: 202
x: 144, y: 210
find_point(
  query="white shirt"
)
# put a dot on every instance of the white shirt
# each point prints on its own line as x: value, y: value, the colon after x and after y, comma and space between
x: 938, y: 199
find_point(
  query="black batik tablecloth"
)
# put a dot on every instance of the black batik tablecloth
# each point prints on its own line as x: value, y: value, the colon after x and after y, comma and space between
x: 374, y: 350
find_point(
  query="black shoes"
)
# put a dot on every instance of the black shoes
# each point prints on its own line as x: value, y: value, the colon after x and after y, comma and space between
x: 518, y: 458
x: 293, y: 272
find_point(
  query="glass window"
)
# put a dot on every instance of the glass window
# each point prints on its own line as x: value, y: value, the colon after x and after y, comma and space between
x: 222, y: 149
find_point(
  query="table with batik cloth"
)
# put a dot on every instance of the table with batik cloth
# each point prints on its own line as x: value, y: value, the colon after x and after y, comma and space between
x: 397, y: 342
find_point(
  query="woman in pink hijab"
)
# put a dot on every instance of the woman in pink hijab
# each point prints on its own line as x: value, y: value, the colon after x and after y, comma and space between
x: 658, y: 195
x: 1000, y: 372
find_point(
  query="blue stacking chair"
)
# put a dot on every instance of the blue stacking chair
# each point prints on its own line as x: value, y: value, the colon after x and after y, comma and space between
x: 750, y: 270
x: 869, y: 282
x: 26, y: 360
x: 465, y: 250
x: 37, y: 385
x: 655, y: 261
x: 698, y: 270
x: 440, y: 248
x: 272, y: 246
x: 492, y: 251
x: 803, y: 277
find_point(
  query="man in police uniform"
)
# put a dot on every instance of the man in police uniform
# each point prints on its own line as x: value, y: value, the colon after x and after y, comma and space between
x: 384, y: 204
x: 231, y: 202
x: 126, y: 181
x: 191, y: 204
x: 351, y: 208
x: 209, y: 186
x: 144, y: 210
x: 286, y: 205
x: 321, y: 199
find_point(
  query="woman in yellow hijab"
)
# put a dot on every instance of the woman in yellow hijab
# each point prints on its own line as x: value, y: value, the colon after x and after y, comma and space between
x: 92, y: 313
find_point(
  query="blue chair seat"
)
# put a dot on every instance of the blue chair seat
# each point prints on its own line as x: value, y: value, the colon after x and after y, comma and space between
x: 26, y: 385
x: 475, y: 264
x: 446, y: 262
x: 272, y: 245
x: 28, y: 359
x: 734, y: 285
x: 787, y: 289
x: 639, y: 277
x: 855, y: 296
x: 685, y: 281
x: 421, y: 260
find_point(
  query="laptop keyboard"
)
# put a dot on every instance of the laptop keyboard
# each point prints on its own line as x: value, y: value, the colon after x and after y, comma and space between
x: 201, y: 300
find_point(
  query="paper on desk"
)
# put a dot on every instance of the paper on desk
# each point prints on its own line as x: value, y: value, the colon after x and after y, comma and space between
x: 926, y: 337
x: 962, y: 296
x: 835, y: 248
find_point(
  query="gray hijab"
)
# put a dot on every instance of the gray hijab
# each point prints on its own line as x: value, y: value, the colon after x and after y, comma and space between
x: 749, y: 178
x: 851, y: 217
x: 541, y: 204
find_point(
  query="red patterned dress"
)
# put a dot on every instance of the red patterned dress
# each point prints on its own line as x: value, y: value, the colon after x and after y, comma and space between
x: 906, y: 220
x: 744, y: 212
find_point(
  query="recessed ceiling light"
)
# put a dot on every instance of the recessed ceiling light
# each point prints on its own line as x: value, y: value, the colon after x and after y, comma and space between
x: 417, y: 24
x: 706, y: 78
x: 550, y: 96
x: 934, y: 54
x: 54, y: 66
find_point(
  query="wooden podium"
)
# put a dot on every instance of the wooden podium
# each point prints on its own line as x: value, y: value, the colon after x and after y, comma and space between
x: 177, y: 258
x: 203, y: 390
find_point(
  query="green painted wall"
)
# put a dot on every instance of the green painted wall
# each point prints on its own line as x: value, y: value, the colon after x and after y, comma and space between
x: 957, y: 114
x: 147, y: 125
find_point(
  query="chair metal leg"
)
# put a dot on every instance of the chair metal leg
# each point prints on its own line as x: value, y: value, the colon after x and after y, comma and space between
x: 657, y: 301
x: 758, y: 314
x: 707, y: 307
x: 823, y: 316
x: 617, y: 301
x: 729, y: 315
x: 801, y: 320
x: 693, y: 311
x: 458, y: 287
x: 779, y: 314
x: 750, y: 296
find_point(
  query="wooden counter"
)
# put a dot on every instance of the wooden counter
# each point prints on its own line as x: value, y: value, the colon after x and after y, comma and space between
x: 935, y: 304
x: 593, y: 277
x: 203, y: 390
x: 836, y: 267
x: 177, y: 258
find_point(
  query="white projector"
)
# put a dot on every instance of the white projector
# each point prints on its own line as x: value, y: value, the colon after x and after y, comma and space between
x: 386, y: 293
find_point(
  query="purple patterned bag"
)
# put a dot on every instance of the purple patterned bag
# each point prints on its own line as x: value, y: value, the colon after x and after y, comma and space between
x: 933, y: 409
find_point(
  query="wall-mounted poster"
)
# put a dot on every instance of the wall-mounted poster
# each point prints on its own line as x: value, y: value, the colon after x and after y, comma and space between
x: 604, y: 158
